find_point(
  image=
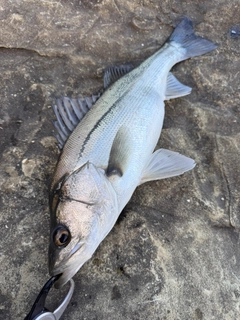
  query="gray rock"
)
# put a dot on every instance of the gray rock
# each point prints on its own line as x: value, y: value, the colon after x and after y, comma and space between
x: 174, y: 252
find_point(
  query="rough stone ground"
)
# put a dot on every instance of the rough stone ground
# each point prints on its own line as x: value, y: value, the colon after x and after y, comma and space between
x: 174, y: 253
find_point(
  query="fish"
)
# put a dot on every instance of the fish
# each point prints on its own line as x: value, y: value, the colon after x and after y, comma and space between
x: 108, y: 146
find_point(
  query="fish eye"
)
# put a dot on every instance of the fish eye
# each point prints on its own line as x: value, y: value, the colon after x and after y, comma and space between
x: 61, y: 236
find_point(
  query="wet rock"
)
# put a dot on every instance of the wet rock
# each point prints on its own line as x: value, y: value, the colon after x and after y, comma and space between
x: 174, y: 251
x: 144, y: 19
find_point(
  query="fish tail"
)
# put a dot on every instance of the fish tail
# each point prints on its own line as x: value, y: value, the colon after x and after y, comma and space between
x: 194, y: 45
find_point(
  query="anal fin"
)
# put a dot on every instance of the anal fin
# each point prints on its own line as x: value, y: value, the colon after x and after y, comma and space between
x: 175, y: 88
x: 165, y: 164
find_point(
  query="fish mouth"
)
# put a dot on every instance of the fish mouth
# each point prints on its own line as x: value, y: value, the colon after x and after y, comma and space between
x: 72, y: 266
x: 65, y: 276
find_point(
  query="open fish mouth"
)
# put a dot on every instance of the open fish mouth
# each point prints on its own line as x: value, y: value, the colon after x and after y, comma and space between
x: 65, y: 276
x: 66, y: 272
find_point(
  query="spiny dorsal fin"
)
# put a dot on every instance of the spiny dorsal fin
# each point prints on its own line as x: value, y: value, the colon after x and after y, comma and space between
x: 69, y: 113
x: 165, y: 164
x: 175, y: 88
x: 113, y: 73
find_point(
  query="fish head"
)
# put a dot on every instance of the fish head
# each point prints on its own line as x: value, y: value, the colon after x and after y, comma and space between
x: 85, y: 211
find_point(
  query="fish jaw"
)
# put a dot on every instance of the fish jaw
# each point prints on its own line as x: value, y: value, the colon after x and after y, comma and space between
x: 86, y: 213
x: 65, y: 277
x: 71, y: 266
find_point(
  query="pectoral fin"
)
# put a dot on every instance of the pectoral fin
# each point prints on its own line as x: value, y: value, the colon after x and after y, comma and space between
x: 120, y: 153
x: 165, y: 164
x: 175, y: 88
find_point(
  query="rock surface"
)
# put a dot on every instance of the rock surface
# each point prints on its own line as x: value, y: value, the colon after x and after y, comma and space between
x: 174, y: 253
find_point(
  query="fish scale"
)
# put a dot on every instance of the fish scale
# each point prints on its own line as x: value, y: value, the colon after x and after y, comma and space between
x: 93, y: 119
x: 155, y: 81
x: 110, y: 152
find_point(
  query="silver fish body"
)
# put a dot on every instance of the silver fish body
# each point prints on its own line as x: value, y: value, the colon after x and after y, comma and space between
x: 110, y: 153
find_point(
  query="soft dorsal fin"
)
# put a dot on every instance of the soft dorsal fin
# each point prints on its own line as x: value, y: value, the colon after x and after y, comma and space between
x: 68, y: 113
x: 119, y: 154
x: 113, y: 73
x: 175, y: 88
x: 165, y: 164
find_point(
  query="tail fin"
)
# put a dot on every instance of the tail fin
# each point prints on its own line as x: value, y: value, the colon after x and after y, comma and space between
x: 195, y: 46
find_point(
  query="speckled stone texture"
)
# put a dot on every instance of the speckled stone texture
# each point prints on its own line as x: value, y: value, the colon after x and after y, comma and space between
x: 174, y: 253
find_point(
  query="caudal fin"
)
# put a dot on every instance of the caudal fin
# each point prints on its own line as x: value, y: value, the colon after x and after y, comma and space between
x: 194, y: 45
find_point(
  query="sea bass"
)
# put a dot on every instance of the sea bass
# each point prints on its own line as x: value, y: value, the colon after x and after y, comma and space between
x: 111, y: 151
